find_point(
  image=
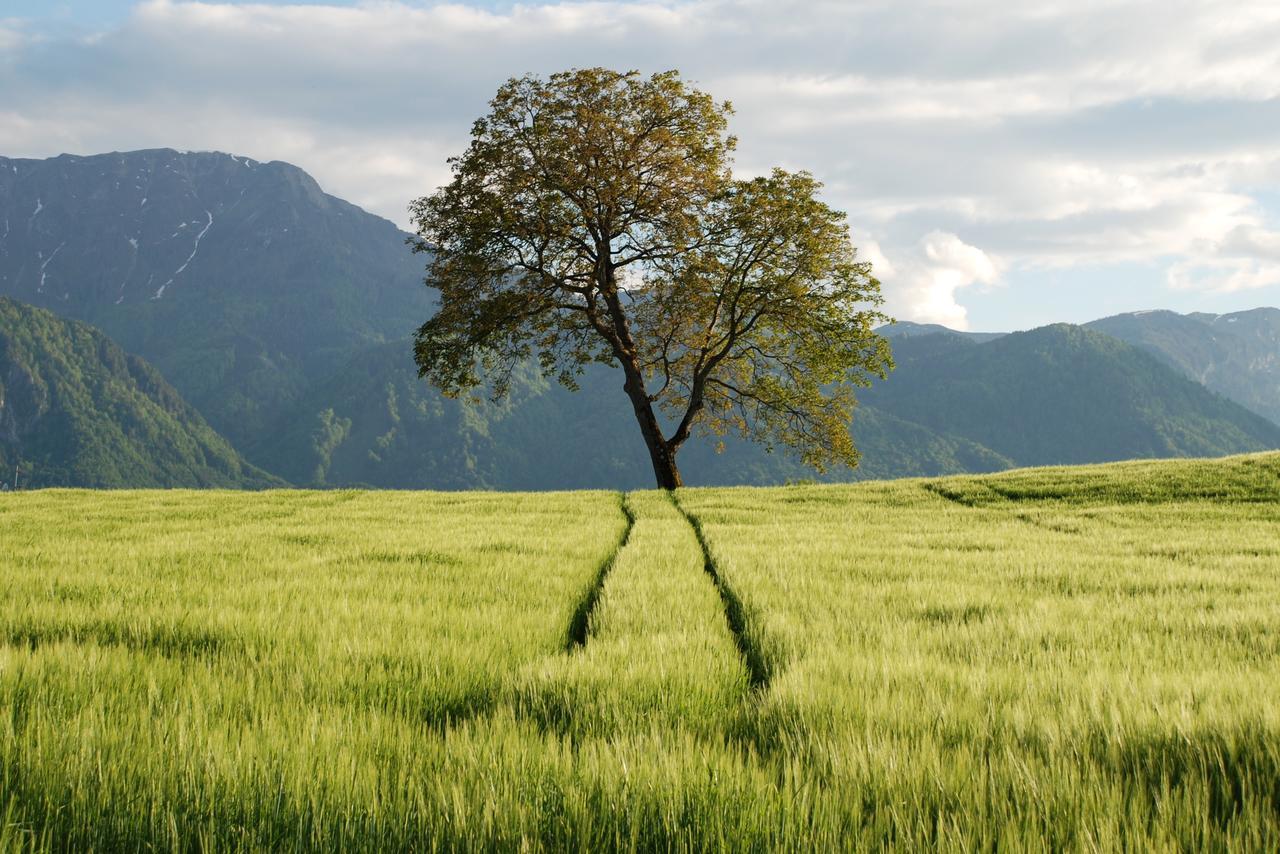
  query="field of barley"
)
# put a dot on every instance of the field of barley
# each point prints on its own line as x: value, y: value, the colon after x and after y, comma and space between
x: 1076, y: 658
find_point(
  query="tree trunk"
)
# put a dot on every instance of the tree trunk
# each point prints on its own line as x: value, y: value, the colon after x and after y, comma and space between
x: 664, y: 467
x: 661, y: 454
x: 618, y: 333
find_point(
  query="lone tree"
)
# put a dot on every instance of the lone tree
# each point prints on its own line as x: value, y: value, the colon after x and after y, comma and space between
x: 594, y: 218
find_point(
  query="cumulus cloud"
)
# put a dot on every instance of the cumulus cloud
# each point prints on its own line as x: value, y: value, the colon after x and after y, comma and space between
x: 1051, y: 134
x: 930, y: 275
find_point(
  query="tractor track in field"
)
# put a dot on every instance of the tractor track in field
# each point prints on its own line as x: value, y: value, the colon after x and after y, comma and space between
x: 963, y: 500
x: 580, y: 622
x: 999, y: 504
x: 759, y: 671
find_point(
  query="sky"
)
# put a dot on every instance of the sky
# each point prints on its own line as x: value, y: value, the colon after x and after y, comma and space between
x: 1003, y: 165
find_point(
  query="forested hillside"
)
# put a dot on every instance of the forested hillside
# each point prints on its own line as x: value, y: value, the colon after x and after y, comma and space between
x: 76, y: 410
x: 1063, y: 394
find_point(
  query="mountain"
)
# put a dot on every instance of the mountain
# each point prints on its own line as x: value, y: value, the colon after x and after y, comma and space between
x: 956, y: 403
x: 909, y: 329
x: 267, y: 302
x: 281, y: 314
x: 376, y: 423
x: 76, y: 410
x: 1063, y: 394
x: 1236, y: 355
x: 242, y: 282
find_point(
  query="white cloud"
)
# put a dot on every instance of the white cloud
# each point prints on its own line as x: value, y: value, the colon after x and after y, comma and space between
x: 1052, y: 134
x: 1224, y: 275
x: 931, y: 275
x: 1253, y: 242
x: 869, y: 250
x: 1246, y: 258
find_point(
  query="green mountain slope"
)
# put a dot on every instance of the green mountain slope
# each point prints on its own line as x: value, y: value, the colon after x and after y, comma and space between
x: 243, y: 282
x: 376, y: 423
x: 1062, y: 394
x: 1237, y: 355
x: 76, y: 410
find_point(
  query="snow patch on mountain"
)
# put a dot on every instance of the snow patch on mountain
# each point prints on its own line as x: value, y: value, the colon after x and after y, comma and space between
x: 43, y: 275
x: 194, y: 250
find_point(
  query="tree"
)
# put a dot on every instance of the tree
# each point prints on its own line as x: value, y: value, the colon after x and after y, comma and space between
x: 594, y: 218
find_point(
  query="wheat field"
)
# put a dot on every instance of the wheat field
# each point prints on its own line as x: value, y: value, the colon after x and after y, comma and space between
x: 1050, y: 659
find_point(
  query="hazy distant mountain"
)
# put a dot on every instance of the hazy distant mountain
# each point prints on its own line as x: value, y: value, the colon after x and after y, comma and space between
x: 1063, y: 394
x: 1236, y: 355
x: 1060, y: 394
x: 243, y: 282
x: 376, y: 423
x: 76, y: 410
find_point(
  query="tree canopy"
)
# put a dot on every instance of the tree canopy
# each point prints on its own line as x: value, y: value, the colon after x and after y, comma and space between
x: 595, y: 217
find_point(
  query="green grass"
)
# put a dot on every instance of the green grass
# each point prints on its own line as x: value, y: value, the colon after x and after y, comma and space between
x: 1049, y: 659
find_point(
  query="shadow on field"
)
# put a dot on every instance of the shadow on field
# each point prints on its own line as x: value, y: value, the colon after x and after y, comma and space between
x: 760, y: 668
x: 173, y: 640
